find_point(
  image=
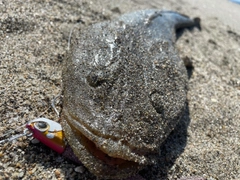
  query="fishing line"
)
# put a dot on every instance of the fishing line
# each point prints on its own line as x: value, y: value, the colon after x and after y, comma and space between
x: 25, y: 132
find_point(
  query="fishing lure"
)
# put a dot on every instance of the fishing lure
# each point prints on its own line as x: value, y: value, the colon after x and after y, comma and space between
x: 52, y: 135
x: 49, y: 133
x: 44, y: 130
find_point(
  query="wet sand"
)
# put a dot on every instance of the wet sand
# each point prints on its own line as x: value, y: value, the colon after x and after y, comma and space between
x: 34, y: 38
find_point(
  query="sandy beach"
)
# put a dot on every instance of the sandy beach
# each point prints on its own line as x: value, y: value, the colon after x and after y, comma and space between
x: 34, y: 41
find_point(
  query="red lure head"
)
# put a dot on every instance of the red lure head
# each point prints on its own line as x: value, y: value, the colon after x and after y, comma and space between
x: 48, y: 132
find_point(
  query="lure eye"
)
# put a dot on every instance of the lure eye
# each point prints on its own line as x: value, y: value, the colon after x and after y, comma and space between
x: 41, y: 126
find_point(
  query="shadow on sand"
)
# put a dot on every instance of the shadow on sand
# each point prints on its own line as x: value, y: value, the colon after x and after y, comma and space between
x: 171, y: 149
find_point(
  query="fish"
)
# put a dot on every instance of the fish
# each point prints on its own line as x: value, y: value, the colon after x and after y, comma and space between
x: 124, y: 91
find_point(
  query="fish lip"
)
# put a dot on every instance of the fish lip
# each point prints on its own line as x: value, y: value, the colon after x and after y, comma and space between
x: 104, y: 143
x: 95, y: 165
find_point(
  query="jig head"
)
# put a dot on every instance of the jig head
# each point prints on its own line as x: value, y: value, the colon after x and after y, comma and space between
x: 48, y: 132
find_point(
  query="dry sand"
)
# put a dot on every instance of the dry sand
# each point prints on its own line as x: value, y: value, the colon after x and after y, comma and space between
x: 33, y: 37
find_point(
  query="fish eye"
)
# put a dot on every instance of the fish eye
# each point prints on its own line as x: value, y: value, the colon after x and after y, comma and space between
x: 41, y: 126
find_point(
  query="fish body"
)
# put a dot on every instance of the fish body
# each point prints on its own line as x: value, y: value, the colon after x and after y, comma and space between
x: 124, y: 88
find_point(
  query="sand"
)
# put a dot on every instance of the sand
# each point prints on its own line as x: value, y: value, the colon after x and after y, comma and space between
x: 34, y: 41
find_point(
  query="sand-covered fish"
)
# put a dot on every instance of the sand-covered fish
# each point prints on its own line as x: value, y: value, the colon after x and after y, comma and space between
x: 124, y: 91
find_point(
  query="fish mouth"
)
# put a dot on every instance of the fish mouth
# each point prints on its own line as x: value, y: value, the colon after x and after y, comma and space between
x: 101, y: 146
x: 97, y: 158
x: 98, y: 153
